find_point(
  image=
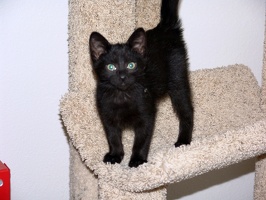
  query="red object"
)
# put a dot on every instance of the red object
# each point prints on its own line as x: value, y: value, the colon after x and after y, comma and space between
x: 4, y: 182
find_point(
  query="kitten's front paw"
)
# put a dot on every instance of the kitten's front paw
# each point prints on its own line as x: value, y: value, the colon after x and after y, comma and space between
x: 108, y: 158
x: 135, y: 162
x: 178, y: 144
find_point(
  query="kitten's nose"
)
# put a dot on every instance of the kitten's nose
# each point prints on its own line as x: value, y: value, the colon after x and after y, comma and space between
x: 122, y: 76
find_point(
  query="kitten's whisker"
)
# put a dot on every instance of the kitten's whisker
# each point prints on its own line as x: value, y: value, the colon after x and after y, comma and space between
x: 141, y: 75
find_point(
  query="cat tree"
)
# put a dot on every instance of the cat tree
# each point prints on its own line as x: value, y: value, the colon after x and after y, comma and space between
x: 230, y: 125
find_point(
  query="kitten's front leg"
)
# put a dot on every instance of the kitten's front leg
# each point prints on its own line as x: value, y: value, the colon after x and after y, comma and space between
x: 143, y: 135
x: 114, y: 138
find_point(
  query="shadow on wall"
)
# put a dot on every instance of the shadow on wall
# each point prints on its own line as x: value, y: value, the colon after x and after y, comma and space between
x: 210, y: 179
x: 64, y: 129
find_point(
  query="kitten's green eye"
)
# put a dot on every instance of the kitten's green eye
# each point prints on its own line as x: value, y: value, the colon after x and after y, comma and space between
x: 131, y: 65
x: 111, y: 67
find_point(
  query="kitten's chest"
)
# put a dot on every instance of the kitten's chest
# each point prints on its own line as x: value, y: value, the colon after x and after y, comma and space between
x: 122, y: 107
x: 124, y: 110
x: 121, y: 99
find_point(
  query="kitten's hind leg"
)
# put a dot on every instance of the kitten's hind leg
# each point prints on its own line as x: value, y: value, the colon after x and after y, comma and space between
x: 179, y: 91
x: 114, y: 138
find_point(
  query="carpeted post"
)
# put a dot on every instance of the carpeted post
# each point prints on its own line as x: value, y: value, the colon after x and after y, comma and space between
x: 263, y: 87
x: 260, y: 167
x: 260, y: 178
x: 83, y: 183
x: 115, y: 19
x: 108, y: 192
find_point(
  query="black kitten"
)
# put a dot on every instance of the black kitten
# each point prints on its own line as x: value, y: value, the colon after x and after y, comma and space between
x: 134, y: 75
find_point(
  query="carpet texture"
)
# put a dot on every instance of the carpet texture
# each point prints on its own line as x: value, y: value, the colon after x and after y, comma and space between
x: 230, y: 125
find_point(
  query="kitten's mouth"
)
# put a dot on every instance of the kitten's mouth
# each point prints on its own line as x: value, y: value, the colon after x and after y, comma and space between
x: 123, y: 86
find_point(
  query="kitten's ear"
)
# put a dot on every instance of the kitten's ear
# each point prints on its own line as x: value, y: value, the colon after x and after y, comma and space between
x: 98, y: 45
x: 137, y: 41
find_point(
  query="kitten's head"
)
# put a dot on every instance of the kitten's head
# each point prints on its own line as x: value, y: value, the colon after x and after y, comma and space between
x: 119, y: 65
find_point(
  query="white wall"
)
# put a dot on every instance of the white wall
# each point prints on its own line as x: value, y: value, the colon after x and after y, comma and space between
x: 224, y: 32
x: 33, y: 77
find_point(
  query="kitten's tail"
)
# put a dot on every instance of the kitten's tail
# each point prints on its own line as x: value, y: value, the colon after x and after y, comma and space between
x: 169, y: 14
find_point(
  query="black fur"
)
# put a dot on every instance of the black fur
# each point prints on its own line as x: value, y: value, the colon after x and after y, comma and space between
x: 134, y: 75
